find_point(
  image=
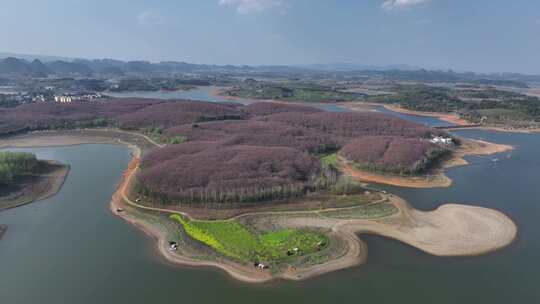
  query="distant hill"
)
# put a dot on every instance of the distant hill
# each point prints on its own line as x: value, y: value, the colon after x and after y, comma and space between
x: 38, y: 67
x: 29, y: 58
x: 20, y: 67
x: 66, y: 67
x: 347, y: 67
x: 14, y: 66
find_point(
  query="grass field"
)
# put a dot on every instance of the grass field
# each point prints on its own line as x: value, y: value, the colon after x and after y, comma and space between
x: 232, y: 239
x: 330, y: 160
x: 373, y: 211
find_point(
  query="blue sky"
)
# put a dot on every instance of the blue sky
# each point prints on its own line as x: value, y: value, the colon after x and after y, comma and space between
x: 475, y: 35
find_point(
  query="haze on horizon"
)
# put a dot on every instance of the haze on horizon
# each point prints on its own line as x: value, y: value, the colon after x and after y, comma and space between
x: 480, y: 36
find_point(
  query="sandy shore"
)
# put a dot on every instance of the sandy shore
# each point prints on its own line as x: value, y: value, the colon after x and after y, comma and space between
x: 435, y: 180
x: 451, y: 118
x: 450, y: 230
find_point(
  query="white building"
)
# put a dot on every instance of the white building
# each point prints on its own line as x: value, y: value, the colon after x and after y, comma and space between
x: 68, y: 98
x: 63, y: 99
x: 441, y: 140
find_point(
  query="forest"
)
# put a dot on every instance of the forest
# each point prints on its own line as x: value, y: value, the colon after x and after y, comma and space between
x: 13, y: 164
x: 233, y: 153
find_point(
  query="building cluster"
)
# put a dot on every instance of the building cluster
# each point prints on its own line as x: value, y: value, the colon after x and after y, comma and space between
x: 39, y: 98
x: 68, y: 98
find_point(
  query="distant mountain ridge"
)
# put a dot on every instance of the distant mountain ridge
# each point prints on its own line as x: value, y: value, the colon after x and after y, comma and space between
x: 14, y: 65
x: 65, y: 65
x: 347, y: 67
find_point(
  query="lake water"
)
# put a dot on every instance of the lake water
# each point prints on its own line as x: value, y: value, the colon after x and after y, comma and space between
x: 206, y: 94
x: 199, y: 93
x: 71, y: 249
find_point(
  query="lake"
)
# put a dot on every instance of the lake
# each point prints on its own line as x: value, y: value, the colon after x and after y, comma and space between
x: 71, y: 249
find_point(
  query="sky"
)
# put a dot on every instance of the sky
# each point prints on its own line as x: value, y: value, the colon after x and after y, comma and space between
x: 463, y: 35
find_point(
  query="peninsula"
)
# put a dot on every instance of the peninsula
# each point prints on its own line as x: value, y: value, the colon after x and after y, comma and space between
x: 25, y: 179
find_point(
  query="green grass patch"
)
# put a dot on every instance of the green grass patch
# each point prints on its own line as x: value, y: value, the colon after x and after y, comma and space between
x: 373, y: 211
x: 232, y: 239
x: 156, y: 134
x: 330, y: 160
x: 352, y: 200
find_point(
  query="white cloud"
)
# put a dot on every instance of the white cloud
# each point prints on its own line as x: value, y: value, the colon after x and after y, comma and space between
x: 251, y: 6
x: 148, y: 18
x: 399, y: 4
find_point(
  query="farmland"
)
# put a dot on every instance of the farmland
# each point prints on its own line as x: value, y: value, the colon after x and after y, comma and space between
x: 234, y: 240
x: 369, y: 211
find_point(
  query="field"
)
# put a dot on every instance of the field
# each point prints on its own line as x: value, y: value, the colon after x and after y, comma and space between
x: 330, y: 160
x: 371, y: 211
x: 234, y: 240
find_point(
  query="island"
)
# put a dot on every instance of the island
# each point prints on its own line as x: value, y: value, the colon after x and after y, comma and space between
x: 25, y: 179
x: 269, y: 191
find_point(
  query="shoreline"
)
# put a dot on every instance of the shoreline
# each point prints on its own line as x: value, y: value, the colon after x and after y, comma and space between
x: 451, y: 118
x: 450, y: 230
x: 461, y: 124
